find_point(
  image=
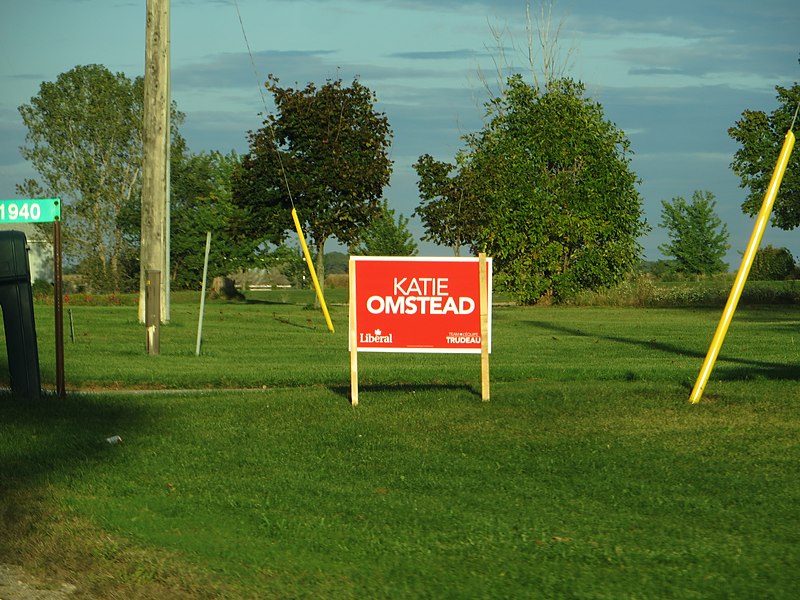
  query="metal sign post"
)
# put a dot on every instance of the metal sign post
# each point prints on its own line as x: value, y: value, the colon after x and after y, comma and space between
x: 45, y: 210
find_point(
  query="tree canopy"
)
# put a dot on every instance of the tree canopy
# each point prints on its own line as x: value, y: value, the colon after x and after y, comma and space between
x: 448, y: 207
x: 698, y: 238
x: 557, y: 202
x: 85, y: 141
x: 201, y: 203
x: 324, y: 151
x: 761, y: 138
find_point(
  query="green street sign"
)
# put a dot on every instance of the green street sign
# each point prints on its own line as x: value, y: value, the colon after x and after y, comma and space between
x: 30, y: 211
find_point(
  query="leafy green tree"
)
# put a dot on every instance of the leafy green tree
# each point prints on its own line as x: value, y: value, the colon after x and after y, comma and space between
x: 386, y: 236
x: 761, y: 138
x: 772, y: 264
x: 558, y: 202
x: 448, y: 206
x: 325, y: 151
x: 698, y: 238
x: 201, y: 202
x: 85, y: 141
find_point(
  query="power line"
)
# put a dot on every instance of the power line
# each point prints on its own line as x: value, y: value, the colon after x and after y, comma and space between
x: 264, y: 102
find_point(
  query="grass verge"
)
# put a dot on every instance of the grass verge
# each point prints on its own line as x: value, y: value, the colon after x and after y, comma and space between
x: 588, y: 475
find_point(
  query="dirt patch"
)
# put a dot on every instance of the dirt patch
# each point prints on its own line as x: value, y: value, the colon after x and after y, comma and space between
x: 15, y: 584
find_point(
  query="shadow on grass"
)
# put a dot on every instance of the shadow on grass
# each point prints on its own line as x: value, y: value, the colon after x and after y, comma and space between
x: 309, y: 323
x: 265, y: 302
x: 768, y: 314
x: 403, y: 388
x: 46, y: 439
x: 749, y: 369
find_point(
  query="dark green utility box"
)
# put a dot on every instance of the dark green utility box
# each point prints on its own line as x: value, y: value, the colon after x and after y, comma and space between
x: 16, y: 300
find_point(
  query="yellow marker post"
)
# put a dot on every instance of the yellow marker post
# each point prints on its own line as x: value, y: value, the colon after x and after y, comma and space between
x: 744, y: 270
x: 307, y: 254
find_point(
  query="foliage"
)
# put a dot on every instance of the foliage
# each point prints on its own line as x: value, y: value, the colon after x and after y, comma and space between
x: 659, y: 269
x: 559, y: 209
x: 325, y: 152
x: 448, y: 206
x: 761, y: 138
x: 41, y: 288
x: 386, y: 236
x: 336, y: 263
x: 85, y: 141
x: 770, y: 264
x: 698, y: 238
x: 201, y: 203
x: 644, y: 291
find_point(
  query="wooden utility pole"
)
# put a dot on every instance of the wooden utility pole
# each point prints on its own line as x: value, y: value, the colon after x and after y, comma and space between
x: 156, y: 137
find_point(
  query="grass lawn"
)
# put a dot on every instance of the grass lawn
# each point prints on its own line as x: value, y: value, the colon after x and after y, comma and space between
x: 588, y: 474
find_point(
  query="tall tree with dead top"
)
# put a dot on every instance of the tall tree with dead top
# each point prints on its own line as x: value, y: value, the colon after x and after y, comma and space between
x: 326, y: 152
x: 545, y: 187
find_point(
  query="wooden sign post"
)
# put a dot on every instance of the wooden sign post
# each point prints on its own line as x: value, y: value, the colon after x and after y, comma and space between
x: 485, y: 308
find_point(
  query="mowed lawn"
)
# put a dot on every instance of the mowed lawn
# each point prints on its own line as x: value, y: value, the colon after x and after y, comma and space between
x: 245, y: 473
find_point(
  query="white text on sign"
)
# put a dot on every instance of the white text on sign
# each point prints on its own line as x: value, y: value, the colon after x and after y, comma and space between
x: 420, y: 295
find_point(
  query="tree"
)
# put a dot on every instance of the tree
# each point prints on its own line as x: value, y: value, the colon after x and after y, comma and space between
x: 386, y: 236
x: 698, y: 238
x: 325, y: 152
x: 761, y: 138
x: 201, y: 202
x: 85, y: 141
x: 447, y: 206
x: 545, y: 186
x: 772, y: 264
x: 560, y: 211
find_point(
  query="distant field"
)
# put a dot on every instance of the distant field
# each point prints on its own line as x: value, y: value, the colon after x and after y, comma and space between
x: 588, y: 474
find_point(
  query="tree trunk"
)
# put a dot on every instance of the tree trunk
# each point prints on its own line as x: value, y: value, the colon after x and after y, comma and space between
x: 320, y: 269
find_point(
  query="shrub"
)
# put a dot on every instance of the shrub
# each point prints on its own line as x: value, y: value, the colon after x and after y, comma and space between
x: 645, y: 292
x: 336, y: 280
x: 41, y: 288
x: 772, y: 264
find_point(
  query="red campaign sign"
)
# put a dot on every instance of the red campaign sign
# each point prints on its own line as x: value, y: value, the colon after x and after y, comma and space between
x: 414, y: 304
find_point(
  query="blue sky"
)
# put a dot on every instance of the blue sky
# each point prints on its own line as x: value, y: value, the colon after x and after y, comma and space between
x: 672, y: 75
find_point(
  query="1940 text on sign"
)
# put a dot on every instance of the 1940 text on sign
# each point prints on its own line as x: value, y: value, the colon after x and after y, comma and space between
x: 30, y: 211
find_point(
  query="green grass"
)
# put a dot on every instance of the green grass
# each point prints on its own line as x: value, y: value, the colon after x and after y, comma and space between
x: 588, y: 474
